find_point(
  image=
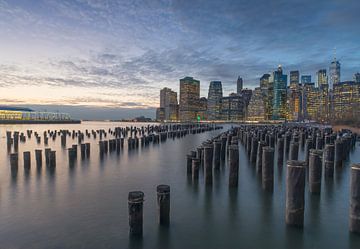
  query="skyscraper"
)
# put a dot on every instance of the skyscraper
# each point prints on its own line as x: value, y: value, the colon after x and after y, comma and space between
x: 321, y: 77
x: 279, y: 100
x: 294, y: 79
x: 239, y: 85
x: 323, y: 88
x: 267, y: 89
x: 334, y: 72
x: 214, y: 100
x: 189, y: 99
x: 294, y: 96
x: 357, y: 77
x: 305, y: 79
x: 256, y: 111
x: 168, y: 101
x: 347, y: 100
x: 233, y: 107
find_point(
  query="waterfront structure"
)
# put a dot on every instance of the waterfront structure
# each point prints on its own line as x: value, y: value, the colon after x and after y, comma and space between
x: 346, y: 100
x: 239, y: 85
x: 19, y: 114
x: 334, y: 72
x: 267, y: 89
x: 189, y: 99
x: 357, y: 77
x: 233, y: 107
x: 305, y: 79
x: 160, y: 114
x: 201, y: 113
x: 214, y: 100
x: 280, y: 87
x: 256, y: 108
x: 168, y: 101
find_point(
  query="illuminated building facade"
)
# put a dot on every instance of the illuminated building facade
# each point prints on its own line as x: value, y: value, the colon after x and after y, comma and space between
x: 168, y: 101
x: 26, y: 114
x: 214, y: 100
x: 334, y: 72
x: 202, y: 109
x: 310, y: 101
x: 279, y: 100
x: 267, y: 89
x: 324, y: 100
x: 256, y: 110
x: 233, y: 107
x: 294, y: 97
x: 346, y: 100
x: 189, y: 99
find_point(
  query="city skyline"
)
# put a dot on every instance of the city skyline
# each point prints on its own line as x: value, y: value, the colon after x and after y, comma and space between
x: 112, y: 56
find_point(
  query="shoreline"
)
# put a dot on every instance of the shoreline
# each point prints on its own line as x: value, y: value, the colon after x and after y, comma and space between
x: 12, y: 122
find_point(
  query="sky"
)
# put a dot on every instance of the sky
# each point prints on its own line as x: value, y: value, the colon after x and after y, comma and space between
x: 108, y: 59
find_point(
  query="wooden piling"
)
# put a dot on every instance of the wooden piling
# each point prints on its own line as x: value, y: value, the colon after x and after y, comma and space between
x: 268, y: 168
x: 135, y: 207
x: 315, y: 169
x: 233, y: 165
x: 163, y: 201
x: 354, y: 224
x: 295, y: 193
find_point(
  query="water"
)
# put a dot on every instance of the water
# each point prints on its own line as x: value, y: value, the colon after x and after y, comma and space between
x: 86, y: 206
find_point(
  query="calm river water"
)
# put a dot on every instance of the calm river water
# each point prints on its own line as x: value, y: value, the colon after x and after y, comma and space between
x: 86, y: 206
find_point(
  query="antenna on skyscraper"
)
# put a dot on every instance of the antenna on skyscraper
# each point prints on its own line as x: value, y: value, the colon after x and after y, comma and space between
x: 334, y: 54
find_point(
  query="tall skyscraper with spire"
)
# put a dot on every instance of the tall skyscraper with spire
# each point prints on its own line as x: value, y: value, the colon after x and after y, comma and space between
x: 334, y: 72
x: 239, y: 85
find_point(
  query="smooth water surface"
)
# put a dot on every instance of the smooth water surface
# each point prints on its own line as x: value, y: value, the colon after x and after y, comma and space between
x: 86, y: 206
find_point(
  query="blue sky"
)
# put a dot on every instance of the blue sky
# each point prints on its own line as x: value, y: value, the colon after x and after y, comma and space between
x: 116, y: 55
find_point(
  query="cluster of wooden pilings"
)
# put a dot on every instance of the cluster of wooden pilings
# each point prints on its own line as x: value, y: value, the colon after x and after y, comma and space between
x: 110, y: 140
x: 324, y: 150
x: 135, y: 207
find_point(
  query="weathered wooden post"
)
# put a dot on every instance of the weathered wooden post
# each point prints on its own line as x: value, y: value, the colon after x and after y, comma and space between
x: 294, y: 151
x: 253, y: 150
x: 338, y: 153
x: 38, y: 158
x: 355, y: 199
x: 195, y: 169
x: 14, y: 160
x: 52, y: 159
x: 268, y: 168
x: 47, y: 156
x: 27, y: 160
x: 280, y: 151
x: 234, y: 165
x: 82, y: 150
x: 295, y: 193
x: 308, y: 147
x: 223, y: 147
x: 217, y: 154
x: 328, y: 157
x: 315, y: 165
x: 208, y: 162
x: 87, y: 149
x: 163, y: 201
x: 258, y: 167
x: 135, y: 206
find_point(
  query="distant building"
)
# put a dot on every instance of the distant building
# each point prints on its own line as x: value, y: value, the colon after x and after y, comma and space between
x: 294, y: 79
x: 267, y: 89
x: 256, y: 110
x: 189, y: 99
x: 233, y: 107
x: 280, y: 89
x: 239, y: 85
x: 310, y: 101
x: 357, y: 78
x: 246, y: 95
x: 324, y: 97
x: 168, y: 101
x: 11, y: 113
x: 214, y: 100
x: 334, y: 72
x: 346, y: 97
x: 160, y: 114
x: 202, y: 109
x: 305, y: 79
